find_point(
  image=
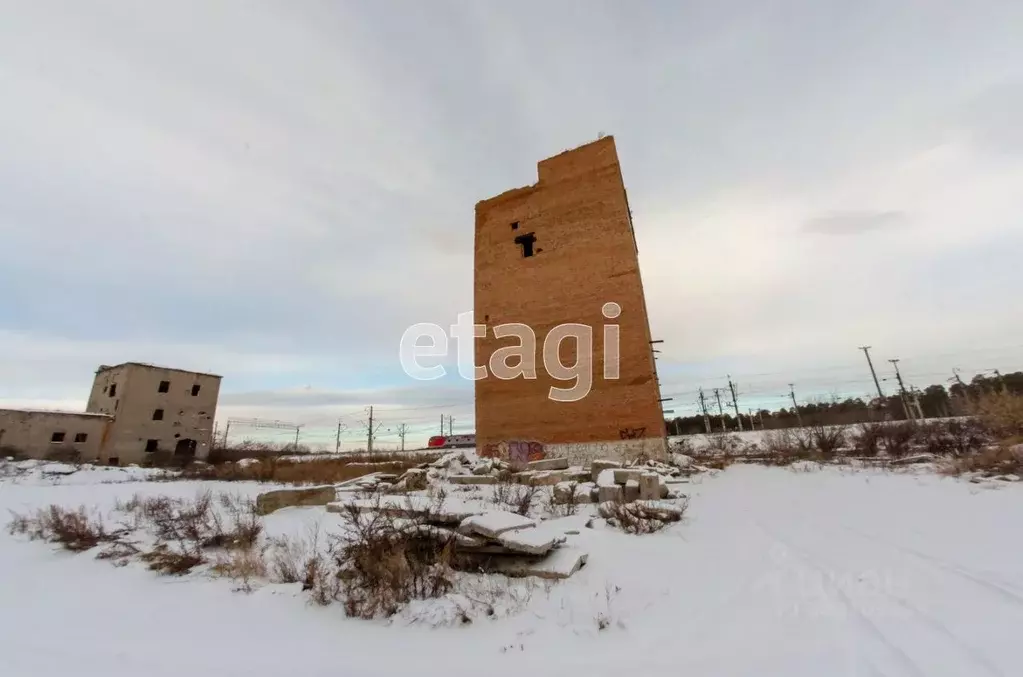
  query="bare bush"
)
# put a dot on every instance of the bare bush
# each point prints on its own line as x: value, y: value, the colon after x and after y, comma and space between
x: 517, y: 498
x: 642, y: 517
x: 196, y: 524
x: 383, y: 562
x: 295, y: 560
x: 74, y: 530
x: 171, y: 562
x: 827, y: 440
x: 898, y: 438
x: 1001, y: 412
x: 867, y: 441
x: 1000, y: 460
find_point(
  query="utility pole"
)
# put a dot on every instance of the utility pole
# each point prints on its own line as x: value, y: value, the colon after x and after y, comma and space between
x: 721, y: 412
x: 902, y: 391
x: 297, y: 429
x: 371, y: 430
x: 337, y: 440
x: 450, y: 424
x: 795, y: 406
x: 402, y: 431
x: 870, y: 363
x: 735, y: 402
x: 703, y: 407
x: 752, y: 424
x: 442, y: 425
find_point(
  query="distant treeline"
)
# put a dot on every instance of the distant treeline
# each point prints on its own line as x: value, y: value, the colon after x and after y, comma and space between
x: 936, y: 401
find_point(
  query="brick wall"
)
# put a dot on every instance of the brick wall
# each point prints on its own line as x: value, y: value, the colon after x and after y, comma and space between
x: 584, y: 256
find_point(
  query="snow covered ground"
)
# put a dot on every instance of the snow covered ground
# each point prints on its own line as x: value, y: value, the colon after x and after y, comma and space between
x: 773, y: 572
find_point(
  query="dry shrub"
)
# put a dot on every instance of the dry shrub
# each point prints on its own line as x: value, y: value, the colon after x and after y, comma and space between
x: 898, y: 438
x: 516, y: 498
x: 196, y: 524
x: 1005, y: 459
x: 828, y: 441
x: 242, y: 565
x: 171, y: 562
x: 295, y: 560
x: 867, y: 441
x: 641, y: 518
x: 383, y: 562
x: 74, y: 530
x: 1001, y: 412
x: 788, y: 445
x: 958, y: 437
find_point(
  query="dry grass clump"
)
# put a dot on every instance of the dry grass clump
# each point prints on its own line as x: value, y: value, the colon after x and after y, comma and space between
x: 1001, y: 412
x: 516, y: 498
x: 74, y: 529
x: 1004, y: 459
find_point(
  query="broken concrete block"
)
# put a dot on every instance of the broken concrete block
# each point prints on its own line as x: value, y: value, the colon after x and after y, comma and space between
x: 568, y: 525
x: 483, y: 467
x: 548, y: 464
x: 564, y: 492
x: 606, y: 478
x: 536, y: 541
x: 472, y: 479
x: 285, y: 498
x: 611, y: 493
x: 560, y: 563
x: 626, y: 474
x: 547, y: 478
x: 413, y: 480
x: 649, y: 486
x: 662, y: 510
x: 451, y: 511
x: 599, y: 466
x: 493, y: 524
x: 577, y: 474
x: 584, y: 492
x: 630, y: 491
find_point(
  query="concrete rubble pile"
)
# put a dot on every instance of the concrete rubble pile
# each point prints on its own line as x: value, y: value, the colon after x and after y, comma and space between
x: 611, y: 481
x: 482, y: 540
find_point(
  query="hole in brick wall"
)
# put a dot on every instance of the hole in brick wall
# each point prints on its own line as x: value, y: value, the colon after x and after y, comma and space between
x: 515, y: 225
x: 526, y: 242
x: 164, y: 387
x: 152, y: 445
x: 158, y: 414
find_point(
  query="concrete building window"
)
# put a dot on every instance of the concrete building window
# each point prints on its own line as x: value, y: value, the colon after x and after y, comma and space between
x: 526, y: 242
x: 81, y: 437
x: 113, y: 389
x: 57, y: 438
x: 164, y: 387
x: 152, y: 445
x: 158, y: 414
x: 195, y: 390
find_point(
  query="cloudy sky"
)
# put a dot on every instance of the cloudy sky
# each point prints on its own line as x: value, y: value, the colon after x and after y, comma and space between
x: 275, y: 190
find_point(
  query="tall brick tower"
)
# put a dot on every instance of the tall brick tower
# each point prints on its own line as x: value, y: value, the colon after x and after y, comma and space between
x: 554, y: 253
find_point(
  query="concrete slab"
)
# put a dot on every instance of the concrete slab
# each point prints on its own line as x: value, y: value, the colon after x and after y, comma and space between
x: 494, y: 524
x: 548, y: 464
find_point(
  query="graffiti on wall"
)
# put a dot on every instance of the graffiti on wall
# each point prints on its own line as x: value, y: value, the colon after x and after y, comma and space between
x: 631, y: 433
x: 516, y: 452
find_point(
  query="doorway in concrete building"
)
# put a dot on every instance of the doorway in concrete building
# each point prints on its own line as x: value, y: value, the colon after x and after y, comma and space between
x: 185, y: 447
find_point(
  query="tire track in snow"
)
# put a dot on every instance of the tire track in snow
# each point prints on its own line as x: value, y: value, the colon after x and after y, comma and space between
x: 999, y: 589
x: 837, y: 593
x: 974, y: 655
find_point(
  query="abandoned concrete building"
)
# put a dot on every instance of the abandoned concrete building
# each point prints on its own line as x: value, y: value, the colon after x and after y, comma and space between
x: 135, y: 412
x: 553, y: 253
